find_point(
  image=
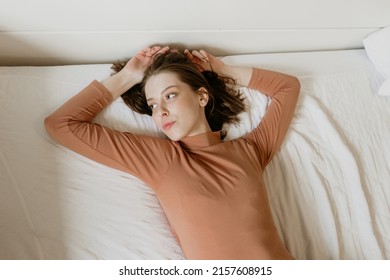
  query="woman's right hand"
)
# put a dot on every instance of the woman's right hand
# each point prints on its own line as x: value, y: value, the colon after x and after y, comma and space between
x: 137, y: 65
x: 133, y: 72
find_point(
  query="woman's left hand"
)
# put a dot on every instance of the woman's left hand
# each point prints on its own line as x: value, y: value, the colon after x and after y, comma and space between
x: 205, y: 61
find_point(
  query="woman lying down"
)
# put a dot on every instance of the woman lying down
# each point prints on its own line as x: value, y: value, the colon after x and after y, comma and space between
x: 212, y: 191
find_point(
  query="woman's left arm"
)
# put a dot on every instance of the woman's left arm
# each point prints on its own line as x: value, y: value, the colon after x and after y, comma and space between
x: 283, y: 89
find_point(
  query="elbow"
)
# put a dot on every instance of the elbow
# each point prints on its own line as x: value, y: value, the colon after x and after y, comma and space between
x: 295, y: 86
x: 51, y: 125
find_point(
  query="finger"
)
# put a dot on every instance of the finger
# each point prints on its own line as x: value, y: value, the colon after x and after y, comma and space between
x: 163, y: 50
x: 199, y: 55
x: 196, y: 54
x: 155, y: 49
x: 205, y: 55
x: 188, y: 54
x: 145, y: 50
x: 151, y: 51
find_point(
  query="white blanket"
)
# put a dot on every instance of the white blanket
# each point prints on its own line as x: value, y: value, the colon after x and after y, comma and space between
x: 329, y: 185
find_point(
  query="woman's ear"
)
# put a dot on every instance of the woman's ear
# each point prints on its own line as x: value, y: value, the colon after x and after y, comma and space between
x: 203, y: 96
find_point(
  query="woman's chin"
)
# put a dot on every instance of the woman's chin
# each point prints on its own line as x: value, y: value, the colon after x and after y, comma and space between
x: 173, y: 137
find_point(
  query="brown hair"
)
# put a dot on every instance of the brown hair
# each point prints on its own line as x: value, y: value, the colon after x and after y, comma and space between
x: 224, y: 104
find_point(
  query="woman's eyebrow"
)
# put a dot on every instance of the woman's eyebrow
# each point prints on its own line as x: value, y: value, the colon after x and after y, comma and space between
x: 168, y: 87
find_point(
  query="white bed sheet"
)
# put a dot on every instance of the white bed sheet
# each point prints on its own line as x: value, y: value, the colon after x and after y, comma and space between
x: 329, y: 185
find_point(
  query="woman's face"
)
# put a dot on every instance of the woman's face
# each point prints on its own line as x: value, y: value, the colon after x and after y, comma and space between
x: 176, y: 109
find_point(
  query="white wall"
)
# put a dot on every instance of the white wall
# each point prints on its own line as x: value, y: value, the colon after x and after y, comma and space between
x: 93, y: 31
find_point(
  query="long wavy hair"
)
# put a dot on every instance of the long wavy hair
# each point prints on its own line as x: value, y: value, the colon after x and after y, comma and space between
x: 225, y: 102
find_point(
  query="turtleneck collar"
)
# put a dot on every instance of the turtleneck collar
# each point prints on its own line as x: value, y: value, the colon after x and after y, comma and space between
x: 202, y: 140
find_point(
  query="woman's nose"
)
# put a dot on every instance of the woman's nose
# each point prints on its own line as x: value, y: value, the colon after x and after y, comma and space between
x: 163, y: 111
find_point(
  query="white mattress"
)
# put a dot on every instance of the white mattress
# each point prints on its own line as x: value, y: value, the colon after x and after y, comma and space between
x: 329, y: 185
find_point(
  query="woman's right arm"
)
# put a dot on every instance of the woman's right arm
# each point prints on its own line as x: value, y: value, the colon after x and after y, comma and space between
x: 72, y: 126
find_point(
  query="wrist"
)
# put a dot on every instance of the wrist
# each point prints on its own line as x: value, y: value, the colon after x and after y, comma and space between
x: 241, y: 74
x: 120, y: 83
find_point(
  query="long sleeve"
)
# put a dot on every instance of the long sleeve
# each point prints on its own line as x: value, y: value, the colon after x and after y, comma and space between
x: 283, y: 89
x: 71, y: 125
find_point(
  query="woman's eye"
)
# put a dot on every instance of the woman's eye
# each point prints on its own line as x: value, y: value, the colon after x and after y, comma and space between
x: 152, y: 106
x: 171, y: 95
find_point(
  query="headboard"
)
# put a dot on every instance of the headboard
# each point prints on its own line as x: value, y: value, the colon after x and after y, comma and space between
x: 47, y: 32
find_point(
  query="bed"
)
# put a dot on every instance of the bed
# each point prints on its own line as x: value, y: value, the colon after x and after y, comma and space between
x: 329, y: 185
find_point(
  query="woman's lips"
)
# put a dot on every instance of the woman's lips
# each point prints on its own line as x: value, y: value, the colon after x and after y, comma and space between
x: 168, y: 125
